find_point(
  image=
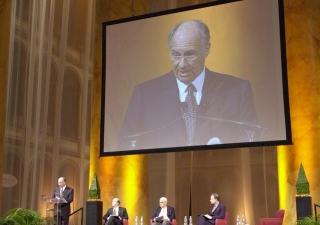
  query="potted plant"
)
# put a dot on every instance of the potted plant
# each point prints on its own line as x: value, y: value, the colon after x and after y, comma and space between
x: 23, y: 216
x: 303, y: 197
x: 309, y: 220
x: 94, y: 203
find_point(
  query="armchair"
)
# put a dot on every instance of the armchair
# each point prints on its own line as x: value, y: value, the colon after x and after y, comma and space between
x: 273, y: 221
x: 124, y: 221
x: 223, y: 221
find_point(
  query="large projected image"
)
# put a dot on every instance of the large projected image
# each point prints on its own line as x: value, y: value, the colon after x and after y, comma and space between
x: 204, y: 78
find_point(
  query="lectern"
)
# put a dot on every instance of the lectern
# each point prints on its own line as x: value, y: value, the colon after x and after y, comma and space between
x: 57, y: 208
x: 49, y: 209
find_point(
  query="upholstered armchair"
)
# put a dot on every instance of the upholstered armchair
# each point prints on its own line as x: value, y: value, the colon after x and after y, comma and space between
x: 223, y: 221
x: 273, y: 221
x: 124, y: 221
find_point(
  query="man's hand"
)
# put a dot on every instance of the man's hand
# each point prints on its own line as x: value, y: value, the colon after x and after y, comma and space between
x: 52, y: 200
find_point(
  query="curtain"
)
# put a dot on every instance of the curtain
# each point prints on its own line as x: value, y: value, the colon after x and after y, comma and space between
x: 47, y: 131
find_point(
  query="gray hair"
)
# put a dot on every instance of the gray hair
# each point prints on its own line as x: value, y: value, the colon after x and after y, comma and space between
x: 62, y: 178
x: 202, y: 28
x: 164, y: 199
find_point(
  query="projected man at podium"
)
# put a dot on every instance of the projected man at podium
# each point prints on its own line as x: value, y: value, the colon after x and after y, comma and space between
x: 62, y: 197
x: 190, y: 105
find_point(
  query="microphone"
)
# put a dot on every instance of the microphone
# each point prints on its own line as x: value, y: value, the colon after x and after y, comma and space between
x: 230, y: 121
x: 133, y: 137
x: 42, y: 199
x: 216, y: 140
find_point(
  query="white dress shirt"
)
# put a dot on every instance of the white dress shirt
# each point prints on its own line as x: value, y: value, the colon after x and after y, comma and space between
x: 164, y: 213
x: 198, y: 83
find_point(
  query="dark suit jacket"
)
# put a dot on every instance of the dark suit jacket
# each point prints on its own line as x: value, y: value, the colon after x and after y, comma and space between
x: 155, y: 106
x: 170, y: 213
x: 122, y: 213
x: 68, y: 196
x: 219, y: 212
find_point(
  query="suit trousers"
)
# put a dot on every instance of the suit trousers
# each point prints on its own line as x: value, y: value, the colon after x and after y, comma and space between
x: 113, y: 221
x: 161, y: 223
x: 65, y: 213
x: 203, y: 221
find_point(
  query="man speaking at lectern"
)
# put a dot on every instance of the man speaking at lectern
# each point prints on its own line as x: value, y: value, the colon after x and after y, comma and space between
x: 190, y: 105
x: 63, y: 192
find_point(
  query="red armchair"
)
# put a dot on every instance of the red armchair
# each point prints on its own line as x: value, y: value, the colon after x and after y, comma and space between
x: 125, y: 222
x: 273, y: 221
x: 223, y: 221
x: 173, y: 222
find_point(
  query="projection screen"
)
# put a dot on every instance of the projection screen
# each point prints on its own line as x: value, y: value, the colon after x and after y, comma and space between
x: 242, y: 94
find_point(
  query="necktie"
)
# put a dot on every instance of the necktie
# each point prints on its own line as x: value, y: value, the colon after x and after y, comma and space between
x: 190, y: 118
x: 61, y: 192
x: 114, y: 211
x: 214, y: 208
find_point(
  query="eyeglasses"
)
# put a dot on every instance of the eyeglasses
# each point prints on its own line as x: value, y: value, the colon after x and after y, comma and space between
x: 176, y: 58
x: 161, y: 202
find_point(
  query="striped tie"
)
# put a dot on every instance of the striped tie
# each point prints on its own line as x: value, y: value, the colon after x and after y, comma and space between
x: 190, y: 118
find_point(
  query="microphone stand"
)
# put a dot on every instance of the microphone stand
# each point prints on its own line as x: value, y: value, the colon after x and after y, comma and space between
x: 249, y: 133
x: 45, y: 200
x: 134, y: 141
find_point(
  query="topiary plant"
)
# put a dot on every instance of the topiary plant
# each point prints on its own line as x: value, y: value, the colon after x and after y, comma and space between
x: 94, y: 190
x: 302, y: 184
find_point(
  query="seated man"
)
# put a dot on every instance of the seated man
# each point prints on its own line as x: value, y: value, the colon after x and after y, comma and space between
x: 116, y: 214
x: 164, y: 214
x: 216, y: 211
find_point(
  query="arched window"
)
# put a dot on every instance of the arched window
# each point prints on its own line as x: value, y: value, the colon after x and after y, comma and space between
x: 70, y: 108
x: 41, y: 76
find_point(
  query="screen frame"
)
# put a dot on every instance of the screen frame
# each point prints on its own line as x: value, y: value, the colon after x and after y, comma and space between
x: 287, y: 141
